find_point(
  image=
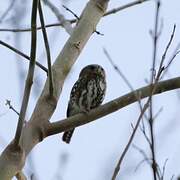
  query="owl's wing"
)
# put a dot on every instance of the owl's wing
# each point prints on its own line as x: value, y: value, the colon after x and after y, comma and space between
x: 86, y: 94
x: 75, y: 95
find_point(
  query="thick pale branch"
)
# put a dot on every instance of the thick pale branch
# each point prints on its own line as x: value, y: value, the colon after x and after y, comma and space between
x: 112, y: 106
x: 46, y: 106
x: 11, y: 160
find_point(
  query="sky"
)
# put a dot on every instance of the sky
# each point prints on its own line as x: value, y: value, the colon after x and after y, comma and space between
x: 97, y: 146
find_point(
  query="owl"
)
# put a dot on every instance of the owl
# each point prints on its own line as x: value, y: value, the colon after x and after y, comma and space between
x: 87, y: 93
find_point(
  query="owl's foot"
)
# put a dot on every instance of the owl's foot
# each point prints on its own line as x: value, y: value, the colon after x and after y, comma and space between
x: 85, y: 111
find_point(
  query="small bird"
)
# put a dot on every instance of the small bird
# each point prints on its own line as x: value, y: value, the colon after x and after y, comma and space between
x: 87, y: 93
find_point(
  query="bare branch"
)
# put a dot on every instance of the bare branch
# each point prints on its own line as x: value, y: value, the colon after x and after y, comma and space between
x: 118, y: 166
x: 156, y: 79
x: 23, y: 55
x: 143, y: 153
x: 30, y: 75
x: 112, y: 106
x: 67, y: 9
x: 171, y: 60
x: 167, y: 47
x: 145, y: 135
x: 158, y: 113
x: 115, y: 10
x: 51, y: 88
x: 149, y: 102
x: 155, y: 39
x: 38, y: 28
x: 8, y: 103
x: 164, y: 168
x: 78, y: 18
x: 75, y: 20
x: 118, y: 70
x: 120, y: 73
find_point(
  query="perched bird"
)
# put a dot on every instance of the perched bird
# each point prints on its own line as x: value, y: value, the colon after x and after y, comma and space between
x: 87, y: 93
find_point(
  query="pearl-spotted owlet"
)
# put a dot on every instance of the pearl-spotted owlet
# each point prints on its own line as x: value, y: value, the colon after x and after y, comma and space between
x: 87, y: 93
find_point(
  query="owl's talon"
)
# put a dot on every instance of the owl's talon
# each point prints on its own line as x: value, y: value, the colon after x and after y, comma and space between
x: 85, y: 111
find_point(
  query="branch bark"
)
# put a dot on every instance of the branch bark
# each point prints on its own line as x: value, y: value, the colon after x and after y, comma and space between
x: 110, y: 107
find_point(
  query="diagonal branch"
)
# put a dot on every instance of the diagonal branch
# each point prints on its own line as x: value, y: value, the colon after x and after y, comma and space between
x: 8, y: 103
x: 23, y: 55
x: 110, y: 107
x: 30, y: 75
x: 115, y: 10
x: 156, y: 79
x: 129, y: 141
x: 112, y: 11
x: 51, y: 89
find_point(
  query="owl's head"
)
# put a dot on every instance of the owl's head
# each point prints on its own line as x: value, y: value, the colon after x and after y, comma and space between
x: 92, y: 70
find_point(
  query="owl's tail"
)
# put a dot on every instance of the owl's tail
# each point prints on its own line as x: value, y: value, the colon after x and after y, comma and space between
x: 67, y: 136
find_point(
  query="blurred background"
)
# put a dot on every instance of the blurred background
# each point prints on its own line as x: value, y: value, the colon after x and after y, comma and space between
x: 97, y: 146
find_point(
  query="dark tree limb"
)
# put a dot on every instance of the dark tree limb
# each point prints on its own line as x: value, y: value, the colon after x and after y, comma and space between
x: 110, y: 107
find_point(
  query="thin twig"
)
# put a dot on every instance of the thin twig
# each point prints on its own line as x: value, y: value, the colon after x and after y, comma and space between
x: 149, y: 101
x: 75, y: 20
x: 145, y: 134
x: 30, y: 75
x: 158, y: 76
x: 164, y: 168
x: 51, y: 89
x: 141, y: 162
x: 8, y: 103
x: 38, y: 28
x: 117, y: 69
x: 174, y: 54
x: 78, y: 18
x: 115, y: 10
x: 120, y: 73
x: 167, y: 47
x: 153, y: 88
x: 117, y: 168
x: 67, y: 9
x: 23, y: 55
x: 142, y: 152
x: 157, y: 114
x: 131, y: 88
x: 159, y: 73
x: 171, y: 60
x: 155, y: 39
